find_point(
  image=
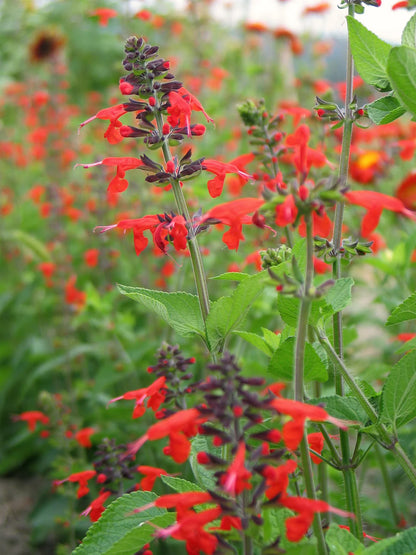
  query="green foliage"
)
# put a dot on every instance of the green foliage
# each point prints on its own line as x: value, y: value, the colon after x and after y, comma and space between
x: 404, y: 311
x: 282, y: 363
x: 370, y: 54
x: 399, y: 392
x: 401, y: 69
x: 119, y: 531
x: 385, y: 110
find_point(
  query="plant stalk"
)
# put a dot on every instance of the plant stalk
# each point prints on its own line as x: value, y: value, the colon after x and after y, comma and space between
x: 298, y: 378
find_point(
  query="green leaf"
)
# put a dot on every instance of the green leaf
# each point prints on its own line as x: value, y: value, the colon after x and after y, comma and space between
x: 409, y: 33
x: 272, y: 339
x: 407, y: 346
x: 288, y: 308
x: 341, y: 542
x: 370, y: 54
x: 228, y: 312
x: 180, y: 485
x: 232, y: 276
x: 255, y: 340
x: 345, y: 408
x: 400, y: 544
x: 401, y: 69
x: 180, y: 310
x: 339, y: 296
x: 385, y: 110
x: 405, y: 311
x: 399, y: 392
x: 203, y: 475
x: 27, y: 242
x: 118, y: 532
x: 282, y: 363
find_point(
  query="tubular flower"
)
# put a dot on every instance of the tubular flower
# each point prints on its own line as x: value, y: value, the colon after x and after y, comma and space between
x: 234, y: 214
x: 82, y: 479
x: 162, y: 227
x: 113, y: 113
x: 83, y: 436
x: 277, y: 478
x: 118, y: 184
x: 406, y: 192
x: 190, y: 529
x: 220, y: 170
x: 375, y: 203
x: 300, y: 412
x: 316, y: 442
x: 32, y: 417
x: 297, y: 526
x: 178, y: 427
x: 304, y: 157
x: 235, y: 480
x: 151, y: 473
x: 104, y: 14
x: 286, y: 212
x: 96, y: 508
x: 155, y: 394
x: 73, y: 295
x: 181, y: 105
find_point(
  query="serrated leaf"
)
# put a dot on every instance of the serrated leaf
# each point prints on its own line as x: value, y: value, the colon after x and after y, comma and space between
x: 401, y: 69
x: 405, y: 311
x: 345, y: 408
x: 272, y: 339
x: 339, y: 295
x: 180, y: 310
x: 118, y: 532
x: 232, y: 276
x: 370, y: 54
x: 409, y: 33
x: 385, y: 110
x: 255, y: 340
x: 288, y: 308
x: 180, y: 485
x: 282, y: 363
x: 341, y: 542
x: 228, y: 312
x: 399, y: 392
x: 401, y: 544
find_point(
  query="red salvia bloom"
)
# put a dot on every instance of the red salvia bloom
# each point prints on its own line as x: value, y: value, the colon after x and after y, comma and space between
x: 91, y: 257
x: 316, y: 442
x: 47, y: 269
x: 375, y: 203
x: 401, y: 4
x: 82, y: 479
x: 113, y: 113
x: 160, y: 228
x: 151, y: 473
x: 194, y: 103
x: 73, y: 295
x: 155, y: 394
x: 297, y: 526
x: 235, y: 480
x: 220, y: 170
x: 190, y: 529
x: 286, y: 212
x: 96, y: 508
x: 234, y: 214
x: 277, y: 478
x: 300, y: 412
x: 32, y: 417
x: 406, y: 192
x: 318, y: 8
x: 104, y: 14
x: 178, y: 427
x: 83, y: 436
x: 118, y: 184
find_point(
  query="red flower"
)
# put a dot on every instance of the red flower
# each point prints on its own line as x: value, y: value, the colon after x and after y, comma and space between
x: 220, y: 170
x: 32, y: 417
x: 300, y: 412
x: 118, y: 184
x: 402, y: 4
x: 235, y: 480
x: 297, y: 526
x: 83, y: 436
x: 234, y: 214
x: 160, y: 227
x: 318, y: 8
x: 82, y: 479
x: 316, y: 442
x: 151, y: 473
x: 375, y: 203
x: 190, y: 529
x: 47, y: 269
x: 104, y: 14
x: 113, y: 113
x: 286, y: 212
x: 73, y: 295
x: 406, y: 192
x: 91, y: 257
x: 178, y: 427
x: 277, y: 478
x: 96, y: 508
x: 181, y: 105
x: 155, y: 394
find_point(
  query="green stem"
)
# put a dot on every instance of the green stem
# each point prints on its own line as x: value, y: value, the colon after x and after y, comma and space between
x: 298, y: 378
x: 388, y: 485
x: 388, y: 441
x: 194, y: 250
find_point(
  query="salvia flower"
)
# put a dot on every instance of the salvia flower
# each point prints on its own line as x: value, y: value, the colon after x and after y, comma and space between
x: 82, y: 478
x: 118, y: 184
x: 154, y: 394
